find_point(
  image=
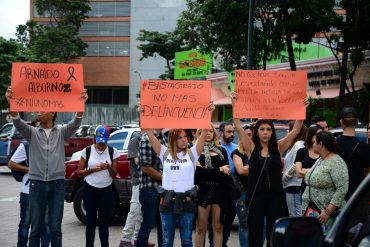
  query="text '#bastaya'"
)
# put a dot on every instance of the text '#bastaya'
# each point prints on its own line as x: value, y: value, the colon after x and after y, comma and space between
x: 161, y: 85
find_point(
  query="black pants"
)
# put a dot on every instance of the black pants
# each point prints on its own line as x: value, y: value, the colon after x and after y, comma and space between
x: 98, y: 205
x: 265, y: 205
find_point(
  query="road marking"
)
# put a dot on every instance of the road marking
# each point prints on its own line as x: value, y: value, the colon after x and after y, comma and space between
x: 10, y: 199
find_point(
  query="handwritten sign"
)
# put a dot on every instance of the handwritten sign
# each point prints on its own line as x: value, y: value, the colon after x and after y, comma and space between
x: 270, y: 94
x: 47, y: 87
x: 175, y: 104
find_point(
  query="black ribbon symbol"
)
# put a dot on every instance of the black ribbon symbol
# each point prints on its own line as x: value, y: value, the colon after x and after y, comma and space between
x: 71, y: 71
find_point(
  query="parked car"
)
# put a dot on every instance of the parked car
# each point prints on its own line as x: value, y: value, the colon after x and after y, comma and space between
x: 121, y: 183
x: 346, y: 231
x: 82, y: 138
x: 6, y: 131
x: 361, y: 133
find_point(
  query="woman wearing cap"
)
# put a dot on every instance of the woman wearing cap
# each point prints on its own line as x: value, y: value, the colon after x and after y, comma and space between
x: 265, y: 192
x: 98, y: 165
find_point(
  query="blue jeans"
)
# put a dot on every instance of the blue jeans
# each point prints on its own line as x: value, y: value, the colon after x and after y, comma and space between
x: 24, y: 224
x: 243, y: 224
x: 48, y: 195
x: 185, y: 222
x: 294, y: 203
x: 98, y: 204
x: 149, y: 201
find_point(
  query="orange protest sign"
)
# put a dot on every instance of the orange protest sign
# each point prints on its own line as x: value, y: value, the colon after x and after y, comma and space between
x: 175, y: 104
x: 47, y: 87
x: 270, y: 94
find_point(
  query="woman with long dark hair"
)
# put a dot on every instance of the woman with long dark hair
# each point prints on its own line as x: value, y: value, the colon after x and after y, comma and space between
x: 265, y: 190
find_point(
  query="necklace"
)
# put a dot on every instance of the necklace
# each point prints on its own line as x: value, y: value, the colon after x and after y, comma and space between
x: 99, y: 151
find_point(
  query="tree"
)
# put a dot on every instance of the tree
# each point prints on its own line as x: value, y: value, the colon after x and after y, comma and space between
x: 162, y: 44
x: 10, y: 51
x: 350, y: 37
x: 58, y: 40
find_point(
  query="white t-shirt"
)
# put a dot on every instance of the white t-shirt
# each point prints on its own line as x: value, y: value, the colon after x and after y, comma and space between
x: 178, y: 175
x: 102, y: 178
x: 19, y: 156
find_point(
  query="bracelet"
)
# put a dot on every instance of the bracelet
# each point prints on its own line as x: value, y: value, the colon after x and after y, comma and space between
x: 90, y: 170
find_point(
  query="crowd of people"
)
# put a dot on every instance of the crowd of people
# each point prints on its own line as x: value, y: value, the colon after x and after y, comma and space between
x: 183, y: 179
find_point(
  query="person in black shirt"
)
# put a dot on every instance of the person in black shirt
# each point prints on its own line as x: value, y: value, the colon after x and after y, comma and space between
x: 211, y: 177
x: 355, y: 153
x: 265, y: 196
x: 306, y: 157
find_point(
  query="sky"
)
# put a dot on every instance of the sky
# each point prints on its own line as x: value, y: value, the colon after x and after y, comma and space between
x: 12, y: 14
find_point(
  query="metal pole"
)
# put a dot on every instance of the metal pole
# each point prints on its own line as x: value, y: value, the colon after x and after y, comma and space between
x: 250, y: 34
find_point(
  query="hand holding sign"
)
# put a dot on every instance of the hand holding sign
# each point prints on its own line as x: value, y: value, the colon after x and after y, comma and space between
x: 47, y: 87
x: 175, y: 104
x: 270, y: 94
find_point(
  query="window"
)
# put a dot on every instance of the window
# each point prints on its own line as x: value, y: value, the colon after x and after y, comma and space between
x: 117, y: 140
x: 109, y: 9
x: 5, y: 132
x: 108, y: 49
x: 104, y: 29
x: 100, y: 9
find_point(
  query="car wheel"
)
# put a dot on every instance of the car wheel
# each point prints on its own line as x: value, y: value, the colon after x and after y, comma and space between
x: 79, y: 206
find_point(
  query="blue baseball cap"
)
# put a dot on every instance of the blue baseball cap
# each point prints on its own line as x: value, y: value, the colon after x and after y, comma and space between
x: 101, y: 134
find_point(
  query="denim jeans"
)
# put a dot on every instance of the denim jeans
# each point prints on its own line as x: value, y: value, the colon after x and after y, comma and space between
x: 98, y: 204
x: 149, y: 201
x: 185, y: 222
x: 134, y: 217
x: 243, y: 224
x: 25, y: 221
x: 46, y: 195
x: 294, y: 203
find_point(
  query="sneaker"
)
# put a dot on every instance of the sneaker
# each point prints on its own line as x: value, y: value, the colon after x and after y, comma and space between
x: 125, y: 244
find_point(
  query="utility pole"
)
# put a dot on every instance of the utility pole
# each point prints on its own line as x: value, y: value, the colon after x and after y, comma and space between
x: 250, y: 34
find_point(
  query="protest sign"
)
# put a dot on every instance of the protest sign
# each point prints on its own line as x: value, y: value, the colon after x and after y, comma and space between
x: 47, y: 87
x: 175, y: 104
x: 270, y: 94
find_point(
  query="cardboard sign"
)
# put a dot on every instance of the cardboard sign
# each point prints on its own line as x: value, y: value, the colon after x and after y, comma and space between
x: 270, y: 94
x: 192, y: 64
x: 47, y: 87
x: 175, y: 104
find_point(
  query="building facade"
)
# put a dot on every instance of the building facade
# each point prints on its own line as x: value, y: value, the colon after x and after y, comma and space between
x: 112, y: 66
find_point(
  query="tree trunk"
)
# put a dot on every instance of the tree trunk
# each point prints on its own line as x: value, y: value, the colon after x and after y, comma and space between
x: 343, y: 80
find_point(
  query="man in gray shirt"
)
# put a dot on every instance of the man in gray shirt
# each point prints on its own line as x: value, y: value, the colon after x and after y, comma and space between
x: 46, y: 170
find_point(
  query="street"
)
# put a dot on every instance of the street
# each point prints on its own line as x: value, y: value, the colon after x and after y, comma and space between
x: 73, y: 230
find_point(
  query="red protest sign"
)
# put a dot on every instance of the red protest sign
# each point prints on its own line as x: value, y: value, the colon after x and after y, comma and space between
x: 47, y: 87
x: 270, y: 94
x: 175, y: 104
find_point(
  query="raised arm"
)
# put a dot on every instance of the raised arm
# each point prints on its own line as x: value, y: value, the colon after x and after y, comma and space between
x: 286, y: 142
x: 202, y: 138
x: 245, y: 140
x: 156, y: 145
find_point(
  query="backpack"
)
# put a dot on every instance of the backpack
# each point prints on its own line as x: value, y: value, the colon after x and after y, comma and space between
x: 88, y: 152
x: 18, y: 176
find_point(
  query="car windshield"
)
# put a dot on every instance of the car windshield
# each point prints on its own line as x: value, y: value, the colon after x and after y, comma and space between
x: 118, y: 140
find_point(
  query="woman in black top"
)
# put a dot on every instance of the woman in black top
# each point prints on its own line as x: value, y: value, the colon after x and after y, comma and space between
x: 211, y: 176
x: 306, y: 157
x: 268, y: 202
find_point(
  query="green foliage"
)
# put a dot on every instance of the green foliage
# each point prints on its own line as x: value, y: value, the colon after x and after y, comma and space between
x: 58, y: 41
x: 161, y: 44
x: 10, y: 51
